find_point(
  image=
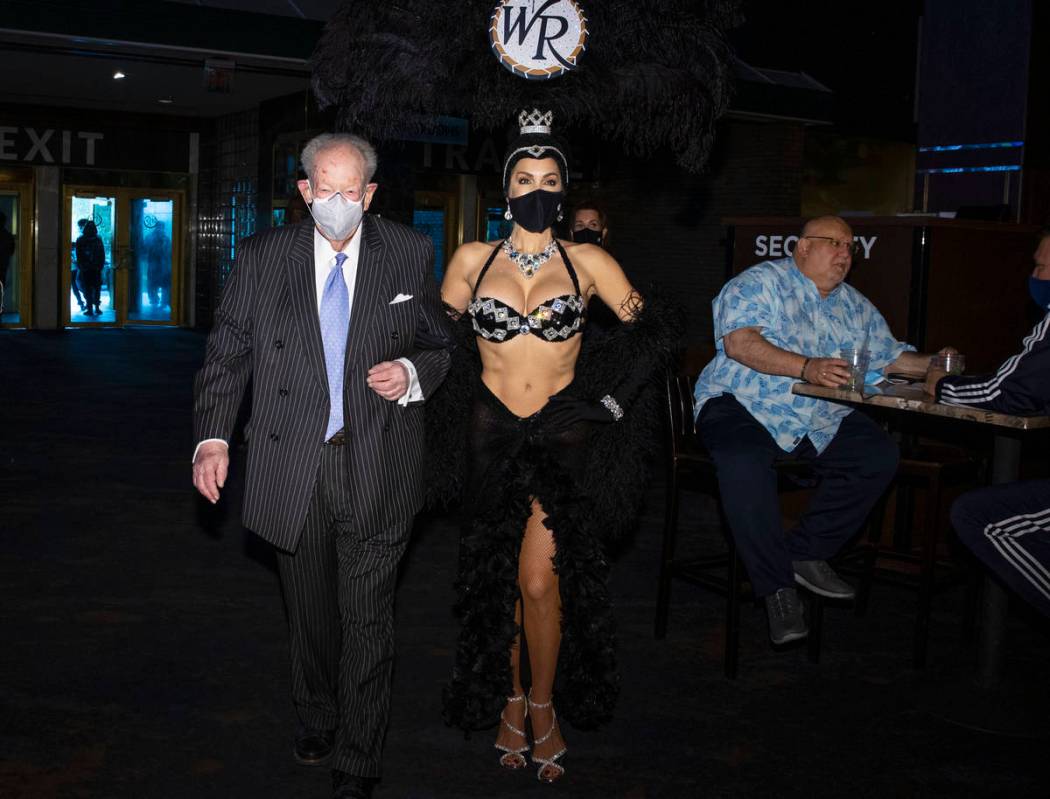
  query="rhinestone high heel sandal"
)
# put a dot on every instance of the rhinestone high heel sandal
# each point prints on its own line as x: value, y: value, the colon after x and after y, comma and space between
x: 513, y: 759
x: 554, y: 770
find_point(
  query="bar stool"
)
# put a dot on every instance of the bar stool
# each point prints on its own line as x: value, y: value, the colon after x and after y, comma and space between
x: 932, y: 469
x: 690, y: 465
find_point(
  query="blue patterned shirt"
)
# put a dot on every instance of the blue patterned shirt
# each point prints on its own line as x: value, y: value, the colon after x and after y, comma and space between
x: 786, y: 306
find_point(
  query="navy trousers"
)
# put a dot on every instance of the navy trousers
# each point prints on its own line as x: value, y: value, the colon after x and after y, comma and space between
x: 1008, y: 528
x: 854, y: 470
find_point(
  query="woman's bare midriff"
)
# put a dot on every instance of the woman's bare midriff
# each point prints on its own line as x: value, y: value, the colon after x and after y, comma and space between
x: 525, y: 372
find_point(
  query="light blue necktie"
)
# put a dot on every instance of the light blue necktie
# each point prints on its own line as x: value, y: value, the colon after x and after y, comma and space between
x: 335, y: 322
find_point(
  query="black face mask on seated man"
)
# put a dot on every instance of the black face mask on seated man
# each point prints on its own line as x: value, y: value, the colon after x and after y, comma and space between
x: 537, y: 210
x: 587, y: 236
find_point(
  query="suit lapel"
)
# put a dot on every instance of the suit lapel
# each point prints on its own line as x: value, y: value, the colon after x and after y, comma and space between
x: 300, y: 270
x: 367, y: 289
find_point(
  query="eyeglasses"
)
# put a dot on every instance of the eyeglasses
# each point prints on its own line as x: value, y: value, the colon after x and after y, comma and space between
x: 849, y: 245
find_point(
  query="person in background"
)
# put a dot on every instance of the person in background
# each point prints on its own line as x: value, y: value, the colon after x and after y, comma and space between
x: 778, y: 323
x: 74, y: 273
x: 157, y: 251
x: 590, y: 224
x: 91, y: 257
x: 1007, y: 526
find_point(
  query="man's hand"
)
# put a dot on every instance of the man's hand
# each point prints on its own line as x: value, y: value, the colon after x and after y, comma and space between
x: 209, y: 469
x: 932, y: 376
x: 388, y: 379
x: 830, y: 372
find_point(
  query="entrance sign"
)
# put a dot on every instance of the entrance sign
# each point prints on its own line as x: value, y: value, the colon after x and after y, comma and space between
x: 538, y: 39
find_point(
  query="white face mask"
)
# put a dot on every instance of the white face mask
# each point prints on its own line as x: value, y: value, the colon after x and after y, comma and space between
x: 336, y: 215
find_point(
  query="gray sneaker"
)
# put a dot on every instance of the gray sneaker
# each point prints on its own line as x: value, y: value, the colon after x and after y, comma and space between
x: 786, y: 621
x: 820, y: 578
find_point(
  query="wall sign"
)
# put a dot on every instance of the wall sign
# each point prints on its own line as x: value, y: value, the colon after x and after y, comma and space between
x: 538, y: 39
x: 48, y: 146
x: 50, y: 142
x: 782, y: 246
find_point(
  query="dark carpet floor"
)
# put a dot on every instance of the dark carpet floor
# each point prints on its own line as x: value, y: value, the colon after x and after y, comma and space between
x: 143, y: 644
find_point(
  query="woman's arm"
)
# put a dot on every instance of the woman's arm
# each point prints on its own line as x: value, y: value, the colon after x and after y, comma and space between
x: 608, y: 281
x: 456, y: 289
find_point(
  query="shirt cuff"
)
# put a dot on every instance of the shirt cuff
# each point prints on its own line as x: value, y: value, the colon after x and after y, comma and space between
x: 205, y: 441
x: 414, y: 393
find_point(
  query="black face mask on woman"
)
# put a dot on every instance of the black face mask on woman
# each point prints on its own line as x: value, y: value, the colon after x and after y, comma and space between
x: 587, y: 236
x: 537, y: 210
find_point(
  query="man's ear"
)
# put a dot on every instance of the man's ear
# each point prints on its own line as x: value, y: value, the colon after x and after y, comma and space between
x: 370, y: 191
x: 304, y: 190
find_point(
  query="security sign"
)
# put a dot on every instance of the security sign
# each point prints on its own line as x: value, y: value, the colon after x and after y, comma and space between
x: 538, y: 39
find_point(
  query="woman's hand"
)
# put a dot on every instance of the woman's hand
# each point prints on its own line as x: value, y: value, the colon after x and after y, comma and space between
x: 562, y: 412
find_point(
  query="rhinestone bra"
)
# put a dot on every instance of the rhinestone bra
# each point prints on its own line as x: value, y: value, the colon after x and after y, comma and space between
x: 556, y: 319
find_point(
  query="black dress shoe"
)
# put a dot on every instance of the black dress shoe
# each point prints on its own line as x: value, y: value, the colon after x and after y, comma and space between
x: 314, y: 747
x: 351, y: 786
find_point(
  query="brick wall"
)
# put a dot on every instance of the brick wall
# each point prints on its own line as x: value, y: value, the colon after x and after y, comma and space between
x: 665, y: 225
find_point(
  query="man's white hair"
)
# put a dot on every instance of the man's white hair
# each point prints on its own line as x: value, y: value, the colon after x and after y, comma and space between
x: 327, y: 141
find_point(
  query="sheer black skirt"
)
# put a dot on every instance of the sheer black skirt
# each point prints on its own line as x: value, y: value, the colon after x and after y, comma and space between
x: 511, y: 462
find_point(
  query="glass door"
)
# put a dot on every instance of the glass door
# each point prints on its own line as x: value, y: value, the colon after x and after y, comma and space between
x: 16, y: 231
x: 150, y: 257
x: 122, y: 253
x: 90, y: 289
x: 434, y: 214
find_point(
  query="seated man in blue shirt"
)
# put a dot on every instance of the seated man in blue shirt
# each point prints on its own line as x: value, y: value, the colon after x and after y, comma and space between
x: 1007, y: 526
x: 777, y: 323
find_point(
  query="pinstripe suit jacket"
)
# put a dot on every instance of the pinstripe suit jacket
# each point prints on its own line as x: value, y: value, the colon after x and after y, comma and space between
x: 267, y: 332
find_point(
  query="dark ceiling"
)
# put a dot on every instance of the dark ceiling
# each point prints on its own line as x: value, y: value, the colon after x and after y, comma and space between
x: 63, y: 53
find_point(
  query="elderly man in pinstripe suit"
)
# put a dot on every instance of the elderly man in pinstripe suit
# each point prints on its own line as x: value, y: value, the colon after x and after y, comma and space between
x: 337, y: 326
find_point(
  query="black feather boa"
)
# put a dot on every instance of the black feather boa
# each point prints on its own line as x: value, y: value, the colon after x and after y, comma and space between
x: 590, y: 490
x: 656, y: 74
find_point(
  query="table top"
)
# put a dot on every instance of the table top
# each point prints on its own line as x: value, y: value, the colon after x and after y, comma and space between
x: 913, y: 398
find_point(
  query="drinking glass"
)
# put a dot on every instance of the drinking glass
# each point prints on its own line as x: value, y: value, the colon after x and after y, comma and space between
x: 857, y: 360
x: 951, y: 362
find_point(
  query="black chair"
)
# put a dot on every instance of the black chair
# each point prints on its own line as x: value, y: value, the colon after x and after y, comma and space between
x: 689, y: 465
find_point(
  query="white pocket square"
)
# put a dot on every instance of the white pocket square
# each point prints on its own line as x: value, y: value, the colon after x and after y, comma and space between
x: 400, y: 298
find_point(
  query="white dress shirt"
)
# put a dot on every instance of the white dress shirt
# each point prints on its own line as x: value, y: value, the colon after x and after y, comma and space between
x: 324, y: 260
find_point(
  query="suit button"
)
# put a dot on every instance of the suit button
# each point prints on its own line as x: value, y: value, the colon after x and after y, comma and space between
x: 394, y: 335
x: 278, y: 344
x: 283, y: 392
x: 274, y: 437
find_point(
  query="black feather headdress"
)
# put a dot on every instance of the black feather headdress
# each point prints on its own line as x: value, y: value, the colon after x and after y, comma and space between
x: 656, y: 73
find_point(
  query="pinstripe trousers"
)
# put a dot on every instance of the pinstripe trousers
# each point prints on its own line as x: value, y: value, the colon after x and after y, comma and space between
x: 1008, y: 528
x: 339, y: 595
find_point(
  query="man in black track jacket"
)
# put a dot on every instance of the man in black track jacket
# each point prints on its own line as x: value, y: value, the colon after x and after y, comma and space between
x: 1008, y: 526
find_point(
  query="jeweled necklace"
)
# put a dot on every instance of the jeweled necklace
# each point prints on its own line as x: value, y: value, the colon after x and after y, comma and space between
x: 529, y: 263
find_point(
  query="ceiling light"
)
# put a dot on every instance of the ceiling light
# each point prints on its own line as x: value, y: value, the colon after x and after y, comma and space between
x: 166, y: 100
x: 118, y: 75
